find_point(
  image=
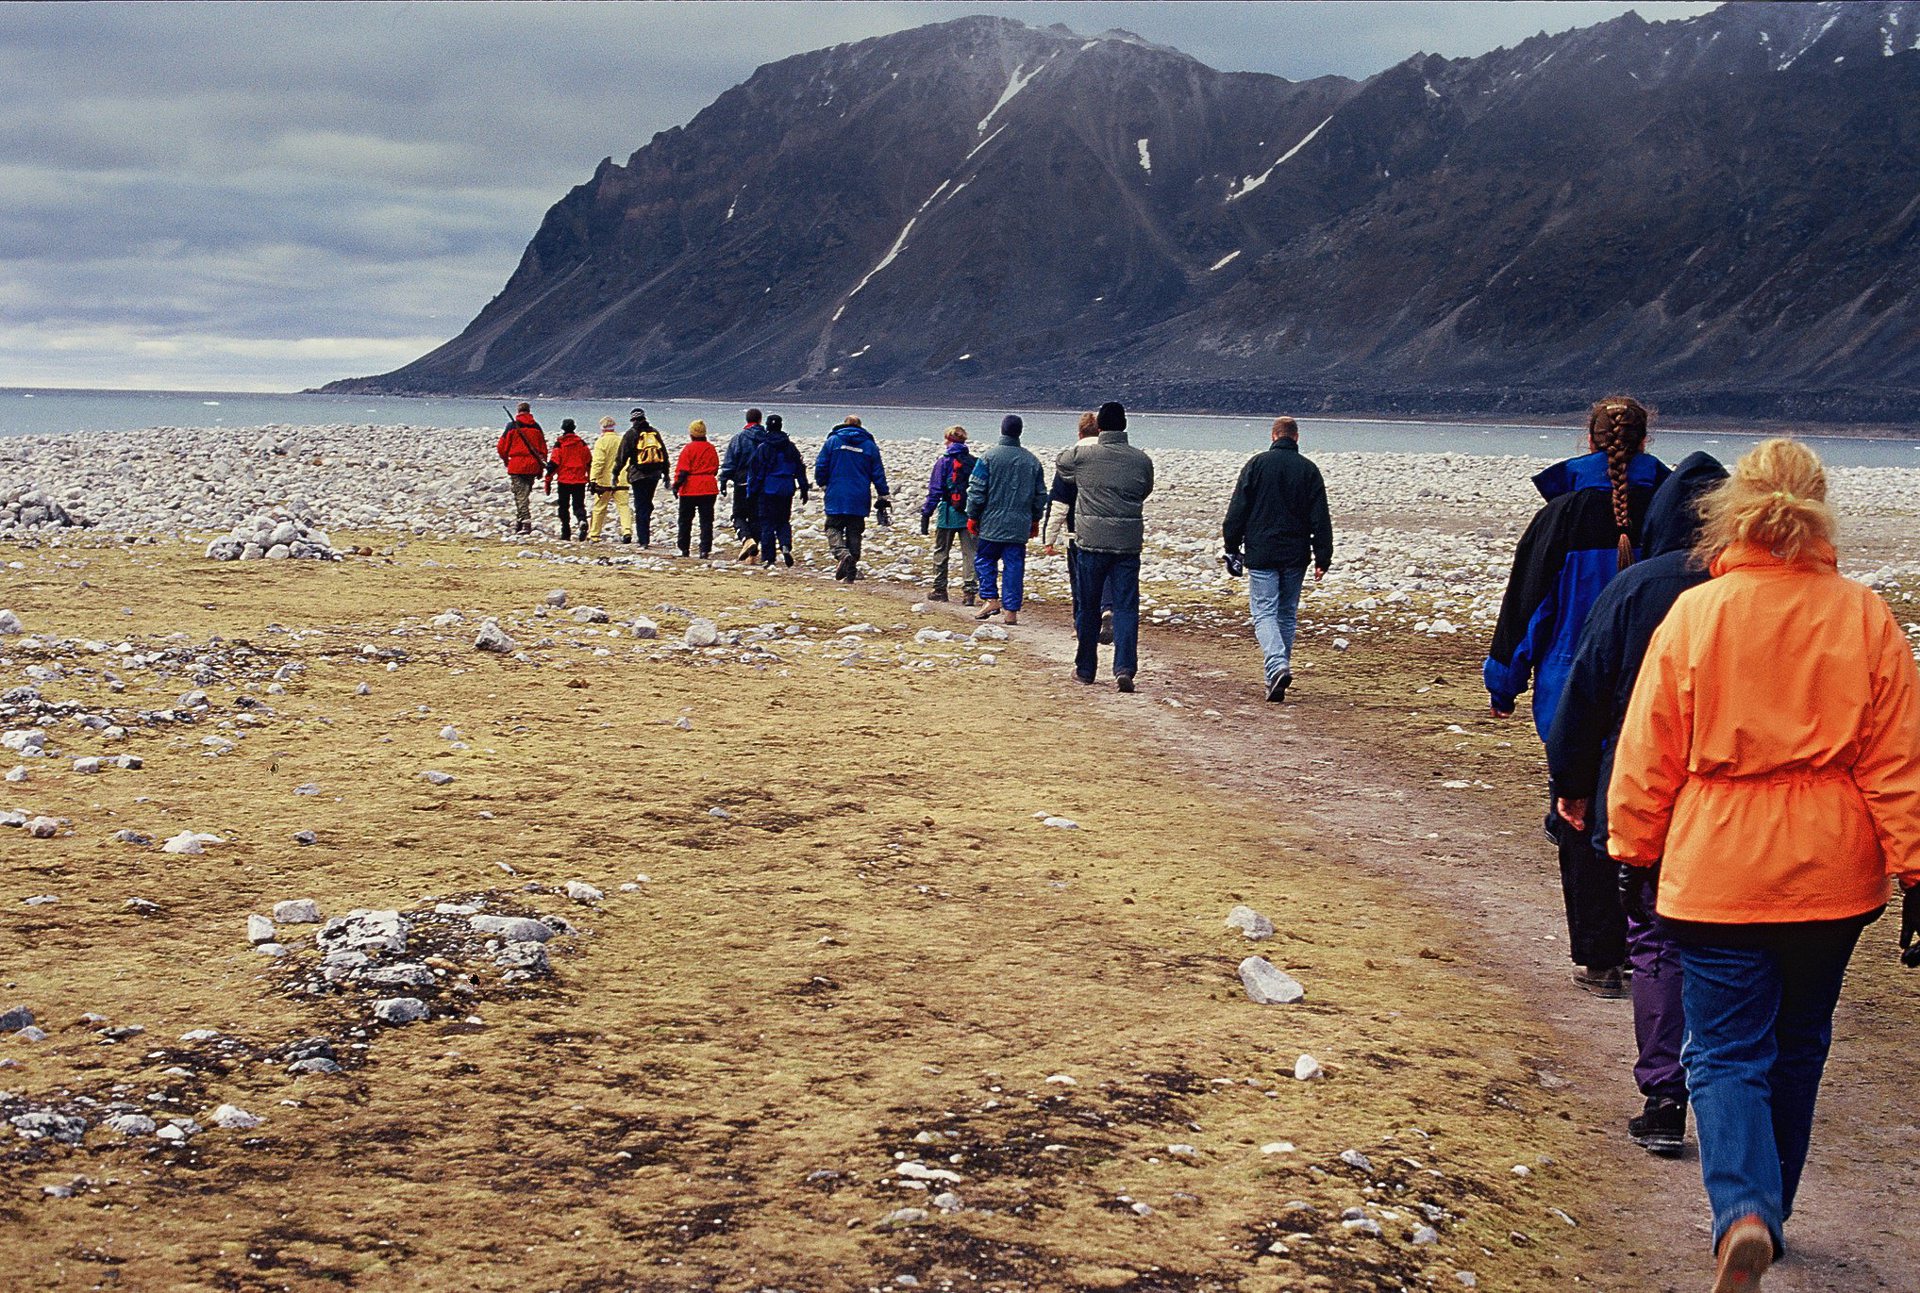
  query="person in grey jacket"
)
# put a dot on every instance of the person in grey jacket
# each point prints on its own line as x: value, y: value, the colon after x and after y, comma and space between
x: 1111, y: 481
x: 1006, y: 497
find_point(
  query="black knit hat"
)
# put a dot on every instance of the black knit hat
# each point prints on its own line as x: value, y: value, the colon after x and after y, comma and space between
x: 775, y: 422
x: 1011, y: 425
x: 638, y: 415
x: 1112, y: 417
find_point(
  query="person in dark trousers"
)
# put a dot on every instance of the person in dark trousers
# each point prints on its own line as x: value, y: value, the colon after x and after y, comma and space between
x: 1111, y: 481
x: 1585, y: 533
x: 1580, y: 745
x: 1056, y: 529
x: 642, y: 462
x: 733, y: 473
x: 853, y: 482
x: 695, y: 484
x: 571, y: 461
x: 945, y: 515
x: 1277, y: 521
x: 1006, y: 497
x: 523, y: 452
x: 773, y: 476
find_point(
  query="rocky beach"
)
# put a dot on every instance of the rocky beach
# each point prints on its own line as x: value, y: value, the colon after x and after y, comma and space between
x: 391, y: 902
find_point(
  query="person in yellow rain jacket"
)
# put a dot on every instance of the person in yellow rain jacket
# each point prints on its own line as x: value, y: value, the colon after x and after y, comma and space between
x: 1770, y: 763
x: 605, y: 486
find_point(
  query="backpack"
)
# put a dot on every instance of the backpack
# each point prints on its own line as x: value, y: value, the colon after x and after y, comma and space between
x: 959, y: 469
x: 651, y: 450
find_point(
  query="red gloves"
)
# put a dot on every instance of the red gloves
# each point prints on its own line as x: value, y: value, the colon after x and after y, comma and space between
x: 973, y: 527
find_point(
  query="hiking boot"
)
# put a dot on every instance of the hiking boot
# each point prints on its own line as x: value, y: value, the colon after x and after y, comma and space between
x: 1277, y: 687
x: 749, y: 550
x: 1010, y: 617
x: 1602, y: 982
x: 971, y: 600
x: 1124, y: 681
x: 1746, y: 1250
x: 940, y: 596
x: 988, y: 609
x: 1106, y: 628
x: 1084, y: 679
x: 787, y: 556
x: 1662, y: 1128
x: 849, y: 564
x: 626, y: 538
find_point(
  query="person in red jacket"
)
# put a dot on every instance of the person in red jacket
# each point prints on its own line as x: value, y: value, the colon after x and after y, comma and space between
x: 571, y: 460
x: 523, y: 450
x: 696, y: 483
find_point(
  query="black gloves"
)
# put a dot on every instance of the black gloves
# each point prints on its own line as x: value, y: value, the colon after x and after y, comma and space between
x: 1236, y: 564
x: 926, y: 523
x: 1910, y: 927
x: 883, y: 514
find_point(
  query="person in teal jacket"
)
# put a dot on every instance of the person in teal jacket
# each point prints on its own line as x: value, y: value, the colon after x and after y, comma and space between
x: 945, y: 514
x: 1006, y: 498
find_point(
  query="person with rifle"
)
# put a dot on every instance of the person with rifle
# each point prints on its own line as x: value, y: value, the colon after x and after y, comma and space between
x: 523, y: 452
x: 642, y: 462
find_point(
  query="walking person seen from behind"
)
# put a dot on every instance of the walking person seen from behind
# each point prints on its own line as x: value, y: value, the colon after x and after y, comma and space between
x: 695, y: 484
x: 523, y: 451
x: 1276, y: 523
x: 1580, y: 748
x: 1111, y: 481
x: 945, y: 514
x: 1770, y: 763
x: 733, y: 473
x: 608, y: 486
x: 773, y: 476
x: 1006, y: 497
x: 1056, y: 527
x: 1585, y: 533
x: 642, y: 462
x: 853, y: 482
x: 571, y: 464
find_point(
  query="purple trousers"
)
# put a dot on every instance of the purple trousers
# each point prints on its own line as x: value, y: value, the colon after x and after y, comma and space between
x: 1659, y: 1020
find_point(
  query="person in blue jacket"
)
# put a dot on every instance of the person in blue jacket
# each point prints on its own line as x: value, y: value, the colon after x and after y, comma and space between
x: 1580, y: 744
x: 854, y: 485
x: 733, y: 471
x: 1585, y: 534
x: 773, y: 476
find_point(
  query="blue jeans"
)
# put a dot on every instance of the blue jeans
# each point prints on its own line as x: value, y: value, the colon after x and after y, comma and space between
x: 1759, y: 1024
x: 1103, y: 575
x: 1274, y: 599
x: 989, y: 557
x: 1073, y: 582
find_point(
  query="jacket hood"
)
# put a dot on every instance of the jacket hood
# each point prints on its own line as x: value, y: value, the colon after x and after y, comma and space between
x: 1589, y: 471
x: 848, y: 431
x: 955, y: 450
x: 1673, y: 517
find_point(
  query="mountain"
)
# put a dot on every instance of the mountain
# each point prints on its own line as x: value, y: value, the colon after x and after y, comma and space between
x: 1720, y: 213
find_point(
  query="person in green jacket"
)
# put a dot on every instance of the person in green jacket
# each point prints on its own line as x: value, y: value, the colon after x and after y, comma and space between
x: 945, y: 514
x: 1006, y: 498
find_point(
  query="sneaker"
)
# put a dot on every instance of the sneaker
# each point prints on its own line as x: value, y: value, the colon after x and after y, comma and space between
x: 1746, y: 1250
x: 1124, y: 681
x: 849, y: 564
x: 1277, y: 687
x: 1662, y: 1128
x: 1602, y: 982
x: 1106, y: 628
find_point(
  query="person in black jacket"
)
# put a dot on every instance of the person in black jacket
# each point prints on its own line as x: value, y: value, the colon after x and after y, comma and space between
x: 1580, y: 744
x: 1277, y: 520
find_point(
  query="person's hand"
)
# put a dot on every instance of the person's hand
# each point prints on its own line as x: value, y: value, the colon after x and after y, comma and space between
x: 1910, y: 927
x: 1034, y: 532
x: 1573, y: 812
x: 883, y: 516
x: 973, y: 526
x: 1319, y: 573
x: 1050, y: 551
x: 1236, y: 564
x: 926, y: 522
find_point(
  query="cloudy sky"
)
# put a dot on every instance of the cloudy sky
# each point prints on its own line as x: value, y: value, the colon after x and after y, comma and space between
x: 270, y: 196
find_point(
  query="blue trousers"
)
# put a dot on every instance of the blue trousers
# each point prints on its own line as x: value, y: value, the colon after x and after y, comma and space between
x: 996, y: 563
x: 1759, y: 1024
x: 1273, y: 598
x: 1073, y: 582
x: 1106, y: 575
x: 773, y: 514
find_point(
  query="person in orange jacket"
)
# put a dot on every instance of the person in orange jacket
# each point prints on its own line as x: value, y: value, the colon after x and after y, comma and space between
x: 696, y: 483
x: 523, y: 451
x: 570, y: 463
x: 1770, y: 761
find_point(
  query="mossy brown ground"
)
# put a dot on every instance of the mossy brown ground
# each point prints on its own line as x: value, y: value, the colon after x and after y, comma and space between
x: 878, y: 952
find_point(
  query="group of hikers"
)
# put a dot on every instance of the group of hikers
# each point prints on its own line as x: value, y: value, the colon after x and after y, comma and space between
x: 1732, y: 733
x: 1732, y: 728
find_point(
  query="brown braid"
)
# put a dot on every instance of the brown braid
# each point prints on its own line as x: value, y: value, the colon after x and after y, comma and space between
x: 1617, y: 426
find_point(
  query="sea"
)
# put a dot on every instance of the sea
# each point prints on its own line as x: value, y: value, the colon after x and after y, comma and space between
x: 32, y: 412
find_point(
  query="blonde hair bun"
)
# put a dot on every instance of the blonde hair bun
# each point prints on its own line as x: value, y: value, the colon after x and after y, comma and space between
x: 1776, y: 498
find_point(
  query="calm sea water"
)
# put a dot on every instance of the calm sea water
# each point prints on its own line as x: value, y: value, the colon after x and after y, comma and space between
x: 48, y: 412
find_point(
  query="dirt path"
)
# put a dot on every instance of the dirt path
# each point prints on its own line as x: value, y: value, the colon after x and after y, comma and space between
x: 1343, y: 760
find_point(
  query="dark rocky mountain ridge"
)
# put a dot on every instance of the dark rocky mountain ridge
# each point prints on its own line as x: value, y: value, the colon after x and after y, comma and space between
x: 1721, y: 213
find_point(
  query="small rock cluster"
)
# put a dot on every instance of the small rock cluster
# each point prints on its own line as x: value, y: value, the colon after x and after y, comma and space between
x: 273, y: 537
x: 29, y: 508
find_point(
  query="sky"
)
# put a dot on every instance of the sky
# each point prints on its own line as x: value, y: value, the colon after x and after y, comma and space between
x: 260, y: 197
